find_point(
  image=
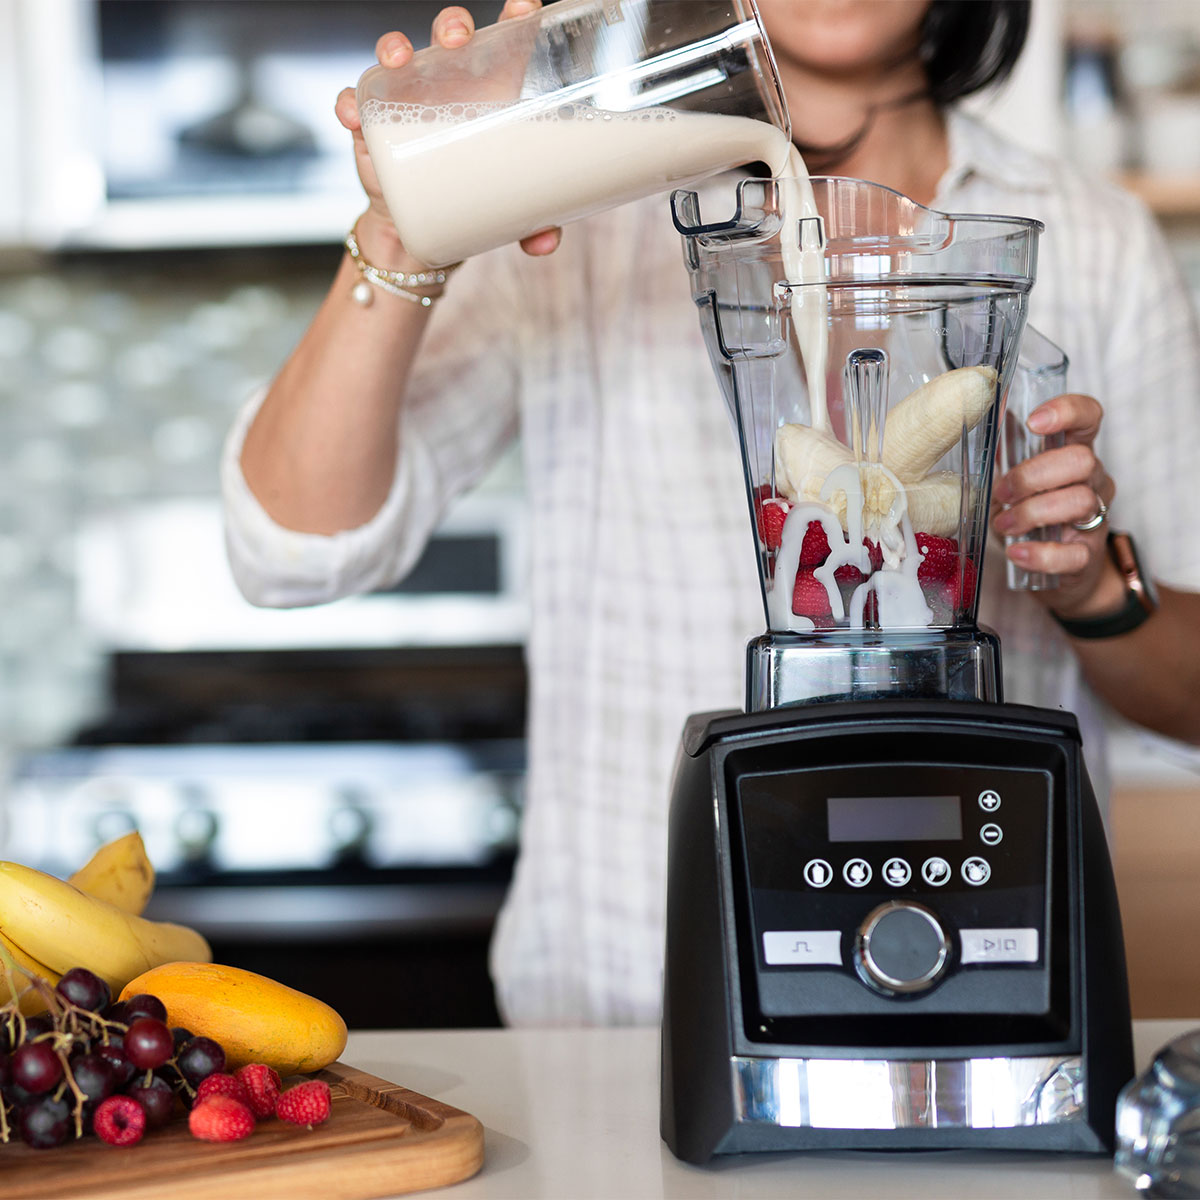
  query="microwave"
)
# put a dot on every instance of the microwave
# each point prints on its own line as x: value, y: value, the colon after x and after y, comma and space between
x: 153, y: 577
x: 161, y: 124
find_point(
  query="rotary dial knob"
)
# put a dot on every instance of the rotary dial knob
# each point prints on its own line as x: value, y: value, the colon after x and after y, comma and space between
x: 901, y: 948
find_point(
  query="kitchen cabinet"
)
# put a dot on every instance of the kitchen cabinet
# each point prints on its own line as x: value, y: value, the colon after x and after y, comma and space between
x: 1155, y: 834
x: 1169, y: 197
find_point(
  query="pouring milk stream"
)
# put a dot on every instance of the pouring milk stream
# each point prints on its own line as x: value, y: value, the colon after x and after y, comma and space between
x: 581, y: 160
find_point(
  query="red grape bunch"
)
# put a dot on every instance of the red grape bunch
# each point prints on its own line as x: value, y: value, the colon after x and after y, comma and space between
x: 89, y: 1065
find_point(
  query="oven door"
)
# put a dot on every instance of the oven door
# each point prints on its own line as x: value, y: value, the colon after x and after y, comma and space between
x: 321, y: 864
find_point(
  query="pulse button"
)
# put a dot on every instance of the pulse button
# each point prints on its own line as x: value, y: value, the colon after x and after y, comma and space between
x: 901, y: 947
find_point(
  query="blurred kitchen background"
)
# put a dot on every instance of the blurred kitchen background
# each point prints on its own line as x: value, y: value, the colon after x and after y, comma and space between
x: 333, y: 795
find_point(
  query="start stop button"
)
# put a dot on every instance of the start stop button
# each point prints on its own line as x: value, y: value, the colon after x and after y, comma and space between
x: 901, y: 947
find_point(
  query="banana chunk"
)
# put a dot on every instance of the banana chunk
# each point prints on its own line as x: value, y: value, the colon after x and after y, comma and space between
x: 804, y: 458
x: 929, y: 422
x: 936, y: 503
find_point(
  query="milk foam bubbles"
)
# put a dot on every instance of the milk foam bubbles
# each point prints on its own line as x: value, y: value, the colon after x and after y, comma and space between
x: 464, y: 178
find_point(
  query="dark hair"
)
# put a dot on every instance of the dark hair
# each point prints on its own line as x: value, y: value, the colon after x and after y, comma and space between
x: 964, y: 47
x: 967, y: 45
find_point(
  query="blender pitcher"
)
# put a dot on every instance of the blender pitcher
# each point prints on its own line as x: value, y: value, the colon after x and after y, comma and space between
x: 867, y: 437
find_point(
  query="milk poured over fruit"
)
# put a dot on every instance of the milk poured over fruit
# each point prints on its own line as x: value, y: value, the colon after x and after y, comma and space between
x: 461, y: 179
x: 494, y: 174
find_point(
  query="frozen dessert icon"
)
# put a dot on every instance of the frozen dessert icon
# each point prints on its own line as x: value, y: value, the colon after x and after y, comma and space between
x: 976, y: 871
x: 935, y: 871
x: 897, y: 872
x: 817, y: 872
x: 857, y: 872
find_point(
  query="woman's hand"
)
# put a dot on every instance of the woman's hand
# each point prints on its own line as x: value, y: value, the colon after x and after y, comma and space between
x: 452, y: 27
x: 1063, y: 486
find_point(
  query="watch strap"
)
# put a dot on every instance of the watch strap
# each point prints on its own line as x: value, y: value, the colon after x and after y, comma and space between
x: 1138, y: 606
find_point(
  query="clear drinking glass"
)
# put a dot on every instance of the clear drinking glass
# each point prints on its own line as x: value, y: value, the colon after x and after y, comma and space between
x: 1041, y: 373
x: 1158, y: 1123
x: 575, y: 108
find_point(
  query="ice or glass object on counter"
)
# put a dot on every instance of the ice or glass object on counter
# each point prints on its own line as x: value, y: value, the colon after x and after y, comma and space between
x: 1041, y: 374
x: 1158, y: 1123
x: 868, y: 452
x: 575, y: 108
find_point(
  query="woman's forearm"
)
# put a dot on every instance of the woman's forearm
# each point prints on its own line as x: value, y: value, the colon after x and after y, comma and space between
x: 1152, y: 675
x: 320, y: 455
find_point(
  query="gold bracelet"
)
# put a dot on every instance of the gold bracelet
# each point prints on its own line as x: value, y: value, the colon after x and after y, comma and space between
x: 421, y: 287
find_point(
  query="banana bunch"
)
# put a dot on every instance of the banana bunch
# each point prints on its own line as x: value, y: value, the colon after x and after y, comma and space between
x: 94, y: 920
x: 918, y: 431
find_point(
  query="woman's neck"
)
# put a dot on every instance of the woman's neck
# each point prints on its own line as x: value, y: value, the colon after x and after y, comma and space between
x: 904, y: 144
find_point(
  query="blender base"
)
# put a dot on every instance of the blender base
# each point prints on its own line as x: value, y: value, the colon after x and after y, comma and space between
x: 921, y: 664
x: 891, y: 925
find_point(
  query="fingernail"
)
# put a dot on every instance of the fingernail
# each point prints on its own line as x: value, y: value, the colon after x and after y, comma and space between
x: 1020, y: 553
x: 1040, y: 421
x: 454, y: 32
x: 518, y: 8
x: 1002, y: 491
x: 1004, y: 523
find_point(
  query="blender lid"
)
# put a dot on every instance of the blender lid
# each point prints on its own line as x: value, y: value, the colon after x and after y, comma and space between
x: 872, y: 233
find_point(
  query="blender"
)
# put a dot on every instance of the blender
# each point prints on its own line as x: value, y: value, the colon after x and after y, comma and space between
x: 891, y: 915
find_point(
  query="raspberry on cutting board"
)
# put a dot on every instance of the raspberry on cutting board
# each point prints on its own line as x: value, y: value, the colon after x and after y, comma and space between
x: 221, y: 1084
x: 262, y: 1085
x: 119, y: 1121
x: 307, y: 1103
x: 221, y: 1119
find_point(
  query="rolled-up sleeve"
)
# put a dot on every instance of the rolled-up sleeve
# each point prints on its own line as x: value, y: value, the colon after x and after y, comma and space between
x: 459, y: 412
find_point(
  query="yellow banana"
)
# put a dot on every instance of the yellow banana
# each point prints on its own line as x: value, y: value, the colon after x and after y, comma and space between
x: 936, y: 503
x: 804, y: 457
x: 57, y: 924
x: 119, y: 872
x: 929, y: 422
x: 29, y: 1002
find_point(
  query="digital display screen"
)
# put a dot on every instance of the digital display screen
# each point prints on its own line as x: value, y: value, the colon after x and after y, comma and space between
x: 894, y: 818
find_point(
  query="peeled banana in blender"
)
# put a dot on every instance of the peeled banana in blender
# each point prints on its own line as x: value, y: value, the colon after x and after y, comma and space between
x: 919, y: 431
x: 928, y: 423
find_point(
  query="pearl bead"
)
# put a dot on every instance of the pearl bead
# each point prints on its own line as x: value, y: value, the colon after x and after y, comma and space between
x: 362, y: 293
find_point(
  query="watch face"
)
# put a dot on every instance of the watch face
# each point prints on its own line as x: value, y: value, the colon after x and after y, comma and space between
x: 1138, y: 583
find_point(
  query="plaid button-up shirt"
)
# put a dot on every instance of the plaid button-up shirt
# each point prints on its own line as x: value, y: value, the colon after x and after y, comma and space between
x: 643, y: 575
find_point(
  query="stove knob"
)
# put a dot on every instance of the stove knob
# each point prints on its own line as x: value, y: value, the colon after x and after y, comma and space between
x: 350, y: 828
x: 196, y: 831
x: 901, y: 948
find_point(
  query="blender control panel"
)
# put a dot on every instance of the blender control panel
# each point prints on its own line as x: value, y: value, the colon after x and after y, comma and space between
x: 895, y: 879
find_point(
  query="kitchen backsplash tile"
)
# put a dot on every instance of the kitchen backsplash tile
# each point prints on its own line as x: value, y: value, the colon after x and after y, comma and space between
x: 118, y: 380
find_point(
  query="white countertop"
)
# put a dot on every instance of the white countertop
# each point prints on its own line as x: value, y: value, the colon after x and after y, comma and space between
x: 573, y: 1115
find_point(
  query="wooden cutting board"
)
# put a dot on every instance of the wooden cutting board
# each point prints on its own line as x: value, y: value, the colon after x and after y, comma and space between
x: 380, y: 1140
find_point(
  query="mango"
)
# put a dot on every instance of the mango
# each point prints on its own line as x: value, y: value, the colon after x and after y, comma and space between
x: 255, y: 1019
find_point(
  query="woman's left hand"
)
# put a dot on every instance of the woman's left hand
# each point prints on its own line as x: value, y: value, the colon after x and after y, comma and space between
x: 1064, y: 486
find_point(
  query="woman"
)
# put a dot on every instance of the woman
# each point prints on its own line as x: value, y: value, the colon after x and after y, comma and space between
x: 643, y: 579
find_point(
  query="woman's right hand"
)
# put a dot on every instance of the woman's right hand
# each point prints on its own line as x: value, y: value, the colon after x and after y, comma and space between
x: 452, y: 27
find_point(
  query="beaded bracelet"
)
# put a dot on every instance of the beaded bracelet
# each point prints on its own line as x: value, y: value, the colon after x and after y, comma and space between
x: 421, y: 287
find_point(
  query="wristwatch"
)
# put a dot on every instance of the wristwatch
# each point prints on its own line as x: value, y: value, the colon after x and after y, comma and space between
x: 1141, y: 598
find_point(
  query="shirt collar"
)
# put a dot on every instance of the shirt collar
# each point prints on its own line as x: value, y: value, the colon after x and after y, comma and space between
x: 976, y: 149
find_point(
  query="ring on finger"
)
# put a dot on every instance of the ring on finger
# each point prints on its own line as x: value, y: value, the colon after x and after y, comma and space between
x: 1094, y: 521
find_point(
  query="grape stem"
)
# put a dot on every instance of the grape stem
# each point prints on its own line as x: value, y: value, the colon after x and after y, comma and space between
x: 80, y: 1098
